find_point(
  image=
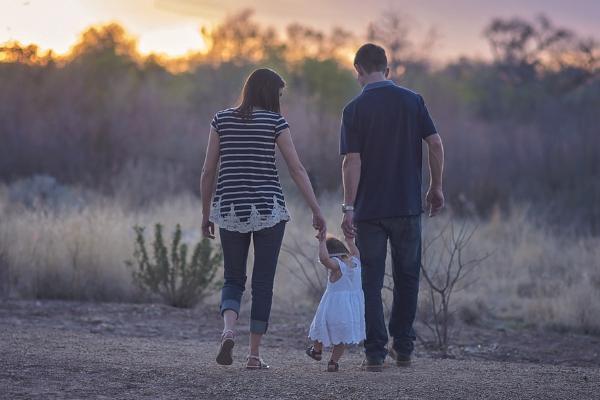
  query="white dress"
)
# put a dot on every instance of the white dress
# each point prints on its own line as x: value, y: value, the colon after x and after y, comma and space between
x: 340, y: 317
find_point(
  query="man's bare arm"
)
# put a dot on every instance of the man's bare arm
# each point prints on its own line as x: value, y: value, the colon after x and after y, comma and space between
x: 350, y: 178
x: 435, y: 194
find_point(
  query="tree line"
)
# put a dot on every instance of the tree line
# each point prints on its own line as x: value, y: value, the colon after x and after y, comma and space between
x: 520, y: 128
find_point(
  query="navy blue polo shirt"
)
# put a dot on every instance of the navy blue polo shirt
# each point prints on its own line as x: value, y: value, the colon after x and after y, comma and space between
x: 386, y: 124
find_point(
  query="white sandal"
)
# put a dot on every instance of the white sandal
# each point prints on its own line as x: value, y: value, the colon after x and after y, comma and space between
x: 261, y: 363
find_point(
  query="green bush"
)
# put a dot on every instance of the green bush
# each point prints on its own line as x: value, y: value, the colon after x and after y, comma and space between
x: 180, y: 283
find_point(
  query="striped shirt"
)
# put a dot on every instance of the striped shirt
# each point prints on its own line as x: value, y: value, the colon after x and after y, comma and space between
x: 248, y: 196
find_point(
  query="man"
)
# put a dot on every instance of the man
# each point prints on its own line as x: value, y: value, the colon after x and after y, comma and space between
x: 381, y: 140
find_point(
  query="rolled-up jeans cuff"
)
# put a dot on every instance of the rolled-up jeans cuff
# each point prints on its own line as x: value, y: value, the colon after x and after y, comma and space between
x: 258, y: 326
x: 232, y: 305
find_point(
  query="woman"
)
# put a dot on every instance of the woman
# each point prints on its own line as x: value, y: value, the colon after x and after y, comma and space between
x: 249, y: 203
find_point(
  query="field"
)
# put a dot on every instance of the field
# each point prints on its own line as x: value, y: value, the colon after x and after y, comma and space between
x: 106, y: 138
x: 534, y: 276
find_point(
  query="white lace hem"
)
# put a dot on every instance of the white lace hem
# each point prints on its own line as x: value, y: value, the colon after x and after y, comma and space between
x: 255, y: 222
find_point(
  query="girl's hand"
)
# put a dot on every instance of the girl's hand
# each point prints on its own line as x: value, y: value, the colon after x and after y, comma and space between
x: 208, y: 228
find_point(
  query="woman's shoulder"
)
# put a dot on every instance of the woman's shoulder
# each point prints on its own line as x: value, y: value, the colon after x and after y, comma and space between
x: 268, y: 112
x: 226, y: 112
x: 273, y: 116
x: 233, y: 112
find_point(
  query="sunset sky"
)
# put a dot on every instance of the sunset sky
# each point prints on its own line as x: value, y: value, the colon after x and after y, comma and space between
x: 172, y: 26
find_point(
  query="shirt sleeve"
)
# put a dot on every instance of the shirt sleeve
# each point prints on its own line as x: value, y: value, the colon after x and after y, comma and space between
x: 215, y: 122
x: 427, y: 125
x: 349, y: 134
x: 280, y: 126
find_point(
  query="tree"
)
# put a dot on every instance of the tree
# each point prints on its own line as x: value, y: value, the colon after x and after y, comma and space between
x: 241, y: 39
x: 393, y: 31
x: 523, y: 48
x: 105, y: 40
x: 15, y: 52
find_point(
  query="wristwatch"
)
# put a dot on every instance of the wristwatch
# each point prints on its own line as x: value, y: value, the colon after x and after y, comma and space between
x: 347, y: 207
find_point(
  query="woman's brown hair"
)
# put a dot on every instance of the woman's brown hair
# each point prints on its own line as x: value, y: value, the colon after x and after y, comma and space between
x: 261, y: 90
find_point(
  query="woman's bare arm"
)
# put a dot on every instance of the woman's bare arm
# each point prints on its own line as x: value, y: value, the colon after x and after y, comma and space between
x: 207, y: 181
x: 300, y: 177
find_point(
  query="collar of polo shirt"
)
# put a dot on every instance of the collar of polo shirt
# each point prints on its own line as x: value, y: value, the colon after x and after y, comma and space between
x: 375, y: 85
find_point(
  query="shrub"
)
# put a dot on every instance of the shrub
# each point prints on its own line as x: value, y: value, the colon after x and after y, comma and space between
x: 180, y: 283
x: 444, y: 269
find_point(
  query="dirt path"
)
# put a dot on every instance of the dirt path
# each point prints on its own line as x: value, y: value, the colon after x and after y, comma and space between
x: 54, y: 350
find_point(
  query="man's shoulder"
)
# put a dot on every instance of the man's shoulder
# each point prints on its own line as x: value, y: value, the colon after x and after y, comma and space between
x: 405, y: 94
x: 406, y: 91
x: 351, y: 105
x: 367, y: 97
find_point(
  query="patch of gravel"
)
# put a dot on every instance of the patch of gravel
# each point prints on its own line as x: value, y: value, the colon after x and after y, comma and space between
x: 61, y: 350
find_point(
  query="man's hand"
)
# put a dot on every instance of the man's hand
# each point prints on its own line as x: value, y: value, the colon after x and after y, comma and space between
x: 435, y: 200
x: 348, y: 225
x: 208, y: 228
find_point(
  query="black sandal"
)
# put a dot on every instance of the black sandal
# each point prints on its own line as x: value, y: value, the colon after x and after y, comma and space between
x: 314, y: 354
x: 332, y: 366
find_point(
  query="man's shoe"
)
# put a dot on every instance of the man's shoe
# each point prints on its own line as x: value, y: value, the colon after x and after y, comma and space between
x: 372, y: 365
x: 401, y: 360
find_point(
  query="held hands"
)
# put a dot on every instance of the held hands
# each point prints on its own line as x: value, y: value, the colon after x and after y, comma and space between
x: 348, y: 225
x: 320, y: 225
x: 435, y: 200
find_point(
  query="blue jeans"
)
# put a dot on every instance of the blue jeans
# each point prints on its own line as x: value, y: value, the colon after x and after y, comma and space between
x: 404, y: 235
x: 267, y: 243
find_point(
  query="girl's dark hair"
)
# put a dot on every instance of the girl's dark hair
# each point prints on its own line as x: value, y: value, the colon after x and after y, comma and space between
x: 261, y: 90
x: 336, y: 246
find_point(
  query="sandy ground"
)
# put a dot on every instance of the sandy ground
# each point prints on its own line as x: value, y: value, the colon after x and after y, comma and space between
x: 59, y: 350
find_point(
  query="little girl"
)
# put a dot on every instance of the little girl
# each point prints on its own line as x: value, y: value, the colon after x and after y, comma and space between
x: 340, y: 317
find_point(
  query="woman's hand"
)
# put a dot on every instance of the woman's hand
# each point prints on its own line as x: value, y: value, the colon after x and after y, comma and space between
x: 320, y: 225
x: 208, y: 228
x: 207, y: 182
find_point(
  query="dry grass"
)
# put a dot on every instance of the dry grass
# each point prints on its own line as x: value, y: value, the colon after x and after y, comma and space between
x: 533, y: 276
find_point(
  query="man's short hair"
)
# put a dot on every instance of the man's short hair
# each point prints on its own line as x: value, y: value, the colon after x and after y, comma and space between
x: 371, y: 58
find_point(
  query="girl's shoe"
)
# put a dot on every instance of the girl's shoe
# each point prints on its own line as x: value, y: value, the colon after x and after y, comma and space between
x: 256, y: 363
x: 225, y: 354
x: 332, y: 366
x: 314, y: 354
